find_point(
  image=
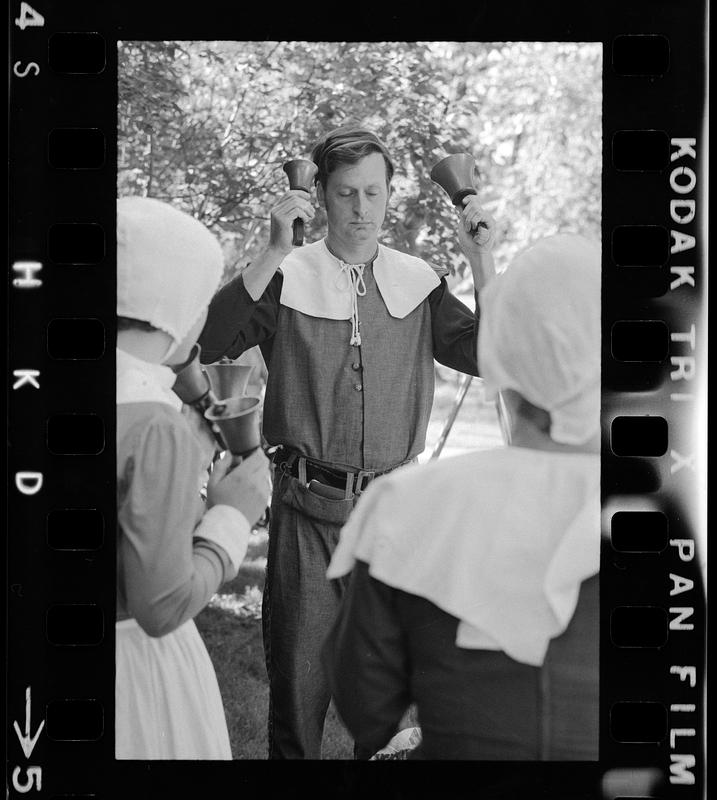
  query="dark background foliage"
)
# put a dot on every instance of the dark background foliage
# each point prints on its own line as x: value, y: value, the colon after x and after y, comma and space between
x: 207, y: 125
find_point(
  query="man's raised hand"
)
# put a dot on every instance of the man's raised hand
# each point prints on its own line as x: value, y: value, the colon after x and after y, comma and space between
x: 476, y: 234
x: 295, y: 203
x: 477, y: 231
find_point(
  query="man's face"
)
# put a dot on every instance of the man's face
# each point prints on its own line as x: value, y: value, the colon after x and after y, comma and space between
x: 355, y: 199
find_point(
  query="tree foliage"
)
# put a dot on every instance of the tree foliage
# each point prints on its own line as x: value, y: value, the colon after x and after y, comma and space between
x: 207, y: 125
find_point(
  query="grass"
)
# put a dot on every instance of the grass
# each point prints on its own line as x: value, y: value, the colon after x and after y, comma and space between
x: 231, y: 623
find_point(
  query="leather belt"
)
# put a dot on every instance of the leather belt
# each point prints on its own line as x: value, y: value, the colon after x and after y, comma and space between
x: 306, y: 470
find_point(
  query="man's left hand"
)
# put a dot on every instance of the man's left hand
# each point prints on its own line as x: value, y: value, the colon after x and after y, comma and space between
x: 476, y: 232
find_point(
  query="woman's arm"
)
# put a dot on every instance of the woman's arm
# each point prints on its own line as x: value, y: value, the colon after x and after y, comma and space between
x: 166, y: 575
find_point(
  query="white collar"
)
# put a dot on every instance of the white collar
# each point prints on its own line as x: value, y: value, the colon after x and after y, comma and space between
x: 501, y: 539
x: 315, y: 284
x: 139, y: 381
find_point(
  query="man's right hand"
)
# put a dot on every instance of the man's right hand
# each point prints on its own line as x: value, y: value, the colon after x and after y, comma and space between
x: 295, y: 203
x: 246, y: 487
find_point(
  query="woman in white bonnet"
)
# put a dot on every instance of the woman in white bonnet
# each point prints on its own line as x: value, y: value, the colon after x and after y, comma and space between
x: 173, y: 550
x: 474, y: 586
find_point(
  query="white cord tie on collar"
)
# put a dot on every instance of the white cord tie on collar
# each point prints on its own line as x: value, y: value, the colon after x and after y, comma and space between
x: 355, y: 284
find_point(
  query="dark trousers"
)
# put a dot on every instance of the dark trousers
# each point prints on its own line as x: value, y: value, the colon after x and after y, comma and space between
x: 299, y: 606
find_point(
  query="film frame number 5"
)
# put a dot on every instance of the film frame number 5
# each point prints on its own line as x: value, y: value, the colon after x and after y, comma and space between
x: 33, y: 774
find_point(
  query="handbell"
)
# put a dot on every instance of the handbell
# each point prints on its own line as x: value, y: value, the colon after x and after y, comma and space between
x: 229, y: 380
x: 238, y: 421
x: 192, y: 384
x: 301, y: 173
x: 456, y: 176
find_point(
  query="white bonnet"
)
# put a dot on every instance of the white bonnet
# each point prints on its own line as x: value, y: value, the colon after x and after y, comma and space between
x: 168, y: 266
x: 540, y: 333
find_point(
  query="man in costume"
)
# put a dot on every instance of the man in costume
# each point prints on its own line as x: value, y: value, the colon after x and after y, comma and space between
x: 349, y: 330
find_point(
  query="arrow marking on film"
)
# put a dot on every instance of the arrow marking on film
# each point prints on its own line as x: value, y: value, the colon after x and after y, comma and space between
x: 28, y: 742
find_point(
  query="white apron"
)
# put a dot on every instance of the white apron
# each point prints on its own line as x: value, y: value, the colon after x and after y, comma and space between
x: 167, y: 700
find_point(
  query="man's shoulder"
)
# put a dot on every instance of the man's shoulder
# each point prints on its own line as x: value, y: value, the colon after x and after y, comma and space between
x: 441, y: 272
x: 400, y: 255
x: 303, y: 256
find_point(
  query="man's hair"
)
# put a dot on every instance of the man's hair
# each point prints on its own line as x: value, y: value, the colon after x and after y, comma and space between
x: 347, y: 145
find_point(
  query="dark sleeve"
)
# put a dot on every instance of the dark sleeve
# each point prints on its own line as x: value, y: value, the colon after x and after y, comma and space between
x: 235, y: 322
x: 455, y: 330
x: 365, y: 660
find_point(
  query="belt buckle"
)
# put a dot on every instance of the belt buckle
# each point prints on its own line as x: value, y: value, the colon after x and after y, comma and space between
x: 285, y: 461
x: 363, y: 478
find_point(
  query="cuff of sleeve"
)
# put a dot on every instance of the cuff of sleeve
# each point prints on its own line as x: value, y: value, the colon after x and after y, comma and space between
x: 229, y: 528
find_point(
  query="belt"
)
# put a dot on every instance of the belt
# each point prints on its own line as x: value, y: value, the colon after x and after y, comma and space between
x: 306, y: 470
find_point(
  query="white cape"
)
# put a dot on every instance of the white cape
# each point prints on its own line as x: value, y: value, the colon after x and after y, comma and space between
x: 501, y: 539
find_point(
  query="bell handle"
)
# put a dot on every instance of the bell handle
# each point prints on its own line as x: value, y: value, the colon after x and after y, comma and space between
x: 298, y: 229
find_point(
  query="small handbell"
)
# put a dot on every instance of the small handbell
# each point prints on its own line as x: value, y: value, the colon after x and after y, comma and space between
x: 301, y: 173
x: 456, y: 175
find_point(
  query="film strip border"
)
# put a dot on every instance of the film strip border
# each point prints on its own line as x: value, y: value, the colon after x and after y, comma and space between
x: 61, y: 413
x: 61, y: 408
x: 654, y: 422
